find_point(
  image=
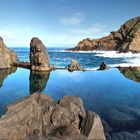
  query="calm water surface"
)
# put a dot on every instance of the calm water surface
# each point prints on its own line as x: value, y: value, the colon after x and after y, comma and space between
x: 114, y: 97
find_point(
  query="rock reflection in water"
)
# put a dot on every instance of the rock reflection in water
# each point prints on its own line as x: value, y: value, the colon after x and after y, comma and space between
x: 38, y: 81
x: 132, y: 73
x: 4, y: 73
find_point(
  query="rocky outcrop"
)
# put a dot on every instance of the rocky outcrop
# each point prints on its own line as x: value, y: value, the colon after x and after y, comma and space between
x: 38, y: 81
x: 39, y: 59
x: 74, y: 65
x: 7, y: 57
x: 23, y: 65
x: 127, y: 38
x: 38, y: 116
x: 103, y: 66
x: 4, y: 73
x: 132, y: 73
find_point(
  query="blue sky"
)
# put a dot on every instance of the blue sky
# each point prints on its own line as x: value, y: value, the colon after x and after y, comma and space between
x: 62, y: 23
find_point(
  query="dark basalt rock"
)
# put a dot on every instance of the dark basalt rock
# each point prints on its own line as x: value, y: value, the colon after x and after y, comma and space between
x: 39, y: 116
x: 39, y: 59
x: 103, y: 66
x: 126, y: 39
x: 23, y: 65
x: 7, y: 57
x: 74, y: 65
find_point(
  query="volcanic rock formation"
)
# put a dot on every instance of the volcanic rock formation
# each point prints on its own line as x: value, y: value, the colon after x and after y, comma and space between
x: 74, y: 65
x: 39, y: 59
x: 126, y: 39
x: 40, y: 117
x: 7, y: 57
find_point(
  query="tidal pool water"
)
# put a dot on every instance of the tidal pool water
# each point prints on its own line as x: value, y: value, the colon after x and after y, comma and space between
x: 115, y: 97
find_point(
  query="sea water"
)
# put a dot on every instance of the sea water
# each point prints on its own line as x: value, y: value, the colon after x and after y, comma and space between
x: 88, y: 60
x: 112, y: 95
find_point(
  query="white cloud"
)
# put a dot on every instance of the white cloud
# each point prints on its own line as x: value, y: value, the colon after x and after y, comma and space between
x: 73, y: 20
x: 93, y: 30
x: 21, y: 36
x: 16, y: 35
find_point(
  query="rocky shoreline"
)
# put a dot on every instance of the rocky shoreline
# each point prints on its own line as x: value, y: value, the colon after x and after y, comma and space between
x: 39, y: 116
x: 126, y: 39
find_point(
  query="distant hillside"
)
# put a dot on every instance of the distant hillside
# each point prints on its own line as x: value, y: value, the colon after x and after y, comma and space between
x: 126, y: 39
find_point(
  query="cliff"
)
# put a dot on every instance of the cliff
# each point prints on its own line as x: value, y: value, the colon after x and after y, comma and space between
x: 126, y: 39
x: 7, y: 57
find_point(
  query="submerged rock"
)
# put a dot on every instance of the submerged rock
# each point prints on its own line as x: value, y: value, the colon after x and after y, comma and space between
x: 38, y: 116
x: 39, y: 59
x: 74, y: 65
x: 124, y: 135
x: 7, y: 57
x: 126, y: 39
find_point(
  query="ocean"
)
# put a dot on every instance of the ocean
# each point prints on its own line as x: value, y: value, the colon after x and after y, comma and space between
x: 88, y: 60
x: 114, y: 94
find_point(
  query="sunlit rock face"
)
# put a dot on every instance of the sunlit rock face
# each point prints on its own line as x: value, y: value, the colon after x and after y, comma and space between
x: 126, y: 39
x: 74, y: 66
x: 7, y: 57
x: 39, y: 59
x: 39, y: 116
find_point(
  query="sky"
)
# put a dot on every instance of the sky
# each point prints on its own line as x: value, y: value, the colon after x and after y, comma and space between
x: 62, y: 23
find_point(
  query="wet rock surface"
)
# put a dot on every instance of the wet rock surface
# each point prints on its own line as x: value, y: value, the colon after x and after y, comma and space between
x: 40, y: 117
x: 126, y: 39
x: 23, y: 65
x: 7, y: 57
x: 39, y: 59
x: 103, y: 66
x: 74, y: 66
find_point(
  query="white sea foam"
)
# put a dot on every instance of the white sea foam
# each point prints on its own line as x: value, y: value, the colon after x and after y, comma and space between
x: 115, y: 54
x: 92, y: 69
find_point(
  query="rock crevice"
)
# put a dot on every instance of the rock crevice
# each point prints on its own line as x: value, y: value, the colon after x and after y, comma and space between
x: 39, y: 116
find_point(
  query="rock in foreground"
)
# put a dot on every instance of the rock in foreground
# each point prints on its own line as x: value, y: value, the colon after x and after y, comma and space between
x: 7, y: 57
x: 39, y: 59
x: 38, y: 116
x: 126, y: 39
x: 74, y: 65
